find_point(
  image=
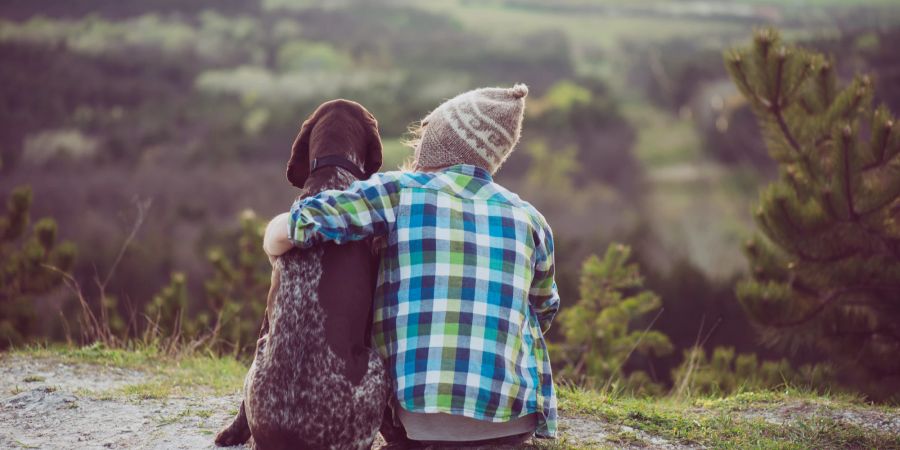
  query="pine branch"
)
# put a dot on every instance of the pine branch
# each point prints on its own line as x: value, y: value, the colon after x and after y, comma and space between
x: 802, y: 80
x: 825, y: 259
x: 782, y: 207
x: 888, y: 245
x: 846, y: 134
x: 828, y: 300
x: 872, y: 332
x: 786, y: 132
x: 832, y: 297
x: 879, y: 158
x: 828, y: 204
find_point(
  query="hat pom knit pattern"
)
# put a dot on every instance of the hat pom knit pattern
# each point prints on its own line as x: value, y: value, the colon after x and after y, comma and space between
x: 480, y: 127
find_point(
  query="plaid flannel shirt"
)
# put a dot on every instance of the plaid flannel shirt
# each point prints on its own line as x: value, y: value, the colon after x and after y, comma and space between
x: 464, y: 293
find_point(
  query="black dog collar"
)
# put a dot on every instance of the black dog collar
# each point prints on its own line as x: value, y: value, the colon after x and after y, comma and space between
x: 339, y: 161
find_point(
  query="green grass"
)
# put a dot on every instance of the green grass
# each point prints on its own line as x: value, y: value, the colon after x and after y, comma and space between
x: 24, y: 445
x: 185, y: 413
x: 168, y: 375
x: 715, y: 422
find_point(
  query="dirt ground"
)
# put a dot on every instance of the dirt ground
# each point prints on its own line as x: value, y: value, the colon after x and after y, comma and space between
x: 45, y: 403
x: 48, y: 404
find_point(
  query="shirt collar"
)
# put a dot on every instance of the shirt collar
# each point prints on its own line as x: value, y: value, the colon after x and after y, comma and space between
x: 470, y: 170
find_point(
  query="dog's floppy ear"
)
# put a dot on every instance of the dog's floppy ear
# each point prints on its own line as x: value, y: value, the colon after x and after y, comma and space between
x: 373, y: 146
x: 298, y: 165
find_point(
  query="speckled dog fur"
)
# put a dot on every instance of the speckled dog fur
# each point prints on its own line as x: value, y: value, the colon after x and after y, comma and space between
x: 296, y: 393
x: 295, y: 382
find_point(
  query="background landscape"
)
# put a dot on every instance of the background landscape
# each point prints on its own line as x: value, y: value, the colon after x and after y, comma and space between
x: 634, y: 134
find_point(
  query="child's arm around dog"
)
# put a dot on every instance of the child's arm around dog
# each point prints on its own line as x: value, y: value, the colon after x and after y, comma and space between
x: 366, y: 209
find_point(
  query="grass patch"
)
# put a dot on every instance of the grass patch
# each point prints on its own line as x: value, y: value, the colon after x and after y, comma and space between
x: 138, y: 357
x: 162, y: 421
x: 147, y: 391
x: 167, y: 375
x: 713, y: 422
x: 626, y: 437
x: 33, y: 379
x: 203, y: 413
x: 24, y: 445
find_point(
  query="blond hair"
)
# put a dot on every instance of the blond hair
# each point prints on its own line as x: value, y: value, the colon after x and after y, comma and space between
x: 412, y: 139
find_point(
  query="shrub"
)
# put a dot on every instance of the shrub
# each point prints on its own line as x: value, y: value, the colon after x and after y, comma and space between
x: 724, y: 373
x: 598, y: 333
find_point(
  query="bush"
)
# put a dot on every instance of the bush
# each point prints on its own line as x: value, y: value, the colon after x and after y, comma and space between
x: 724, y: 373
x: 597, y: 329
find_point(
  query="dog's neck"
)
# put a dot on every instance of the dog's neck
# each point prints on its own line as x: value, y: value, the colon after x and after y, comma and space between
x: 327, y: 178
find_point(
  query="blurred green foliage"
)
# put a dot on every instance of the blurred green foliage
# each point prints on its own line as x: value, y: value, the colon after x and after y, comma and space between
x: 26, y: 251
x: 724, y: 373
x: 237, y: 291
x: 235, y: 297
x: 166, y: 312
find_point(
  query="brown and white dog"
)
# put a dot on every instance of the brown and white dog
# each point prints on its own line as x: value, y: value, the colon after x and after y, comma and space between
x: 315, y: 381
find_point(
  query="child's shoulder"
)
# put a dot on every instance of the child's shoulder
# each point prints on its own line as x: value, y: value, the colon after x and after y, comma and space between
x: 404, y: 178
x: 515, y: 200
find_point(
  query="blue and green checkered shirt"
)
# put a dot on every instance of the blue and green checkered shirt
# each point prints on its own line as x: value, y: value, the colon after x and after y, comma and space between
x: 464, y: 293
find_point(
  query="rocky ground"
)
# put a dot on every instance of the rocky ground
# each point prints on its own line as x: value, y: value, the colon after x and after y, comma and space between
x: 50, y: 404
x: 55, y: 403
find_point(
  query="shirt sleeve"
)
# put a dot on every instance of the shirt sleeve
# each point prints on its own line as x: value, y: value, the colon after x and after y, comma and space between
x: 543, y: 295
x: 366, y: 208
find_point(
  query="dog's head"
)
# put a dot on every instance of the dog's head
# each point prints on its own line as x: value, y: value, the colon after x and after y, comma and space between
x: 338, y: 127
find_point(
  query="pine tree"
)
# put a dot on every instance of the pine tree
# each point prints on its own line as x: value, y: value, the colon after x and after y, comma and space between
x: 826, y: 261
x: 597, y: 329
x: 24, y: 256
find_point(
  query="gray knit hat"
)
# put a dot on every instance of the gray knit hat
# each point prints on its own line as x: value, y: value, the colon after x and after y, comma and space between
x: 478, y: 127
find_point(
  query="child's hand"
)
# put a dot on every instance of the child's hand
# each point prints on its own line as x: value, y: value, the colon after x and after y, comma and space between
x: 275, y: 242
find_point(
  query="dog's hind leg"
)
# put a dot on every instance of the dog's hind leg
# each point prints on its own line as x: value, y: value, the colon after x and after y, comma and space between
x: 239, y: 430
x: 237, y: 433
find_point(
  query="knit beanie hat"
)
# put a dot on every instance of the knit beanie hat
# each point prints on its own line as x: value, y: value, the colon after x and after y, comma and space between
x: 478, y: 127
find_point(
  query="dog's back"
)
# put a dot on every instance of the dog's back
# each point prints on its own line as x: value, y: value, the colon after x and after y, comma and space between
x: 302, y: 391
